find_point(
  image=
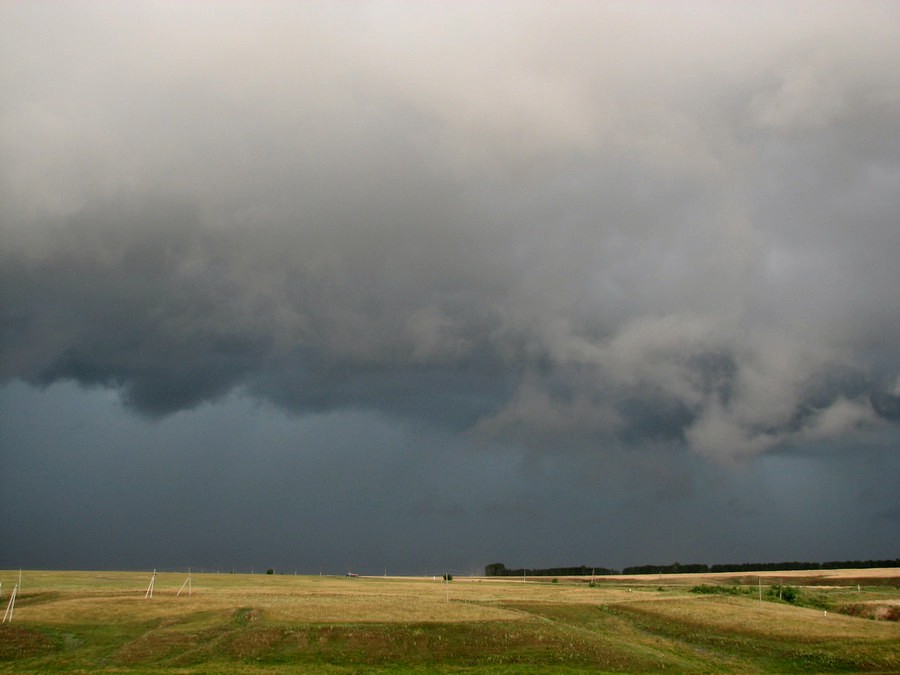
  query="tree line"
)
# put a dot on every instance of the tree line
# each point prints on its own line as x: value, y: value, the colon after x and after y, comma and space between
x: 831, y: 565
x: 500, y: 570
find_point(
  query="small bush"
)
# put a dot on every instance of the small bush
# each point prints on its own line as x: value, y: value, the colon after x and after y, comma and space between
x: 786, y: 593
x: 270, y: 571
x: 707, y: 589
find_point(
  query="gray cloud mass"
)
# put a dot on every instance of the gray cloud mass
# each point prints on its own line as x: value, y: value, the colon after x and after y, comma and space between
x: 577, y: 230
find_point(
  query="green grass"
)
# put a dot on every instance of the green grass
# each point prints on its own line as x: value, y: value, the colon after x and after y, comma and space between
x: 101, y: 622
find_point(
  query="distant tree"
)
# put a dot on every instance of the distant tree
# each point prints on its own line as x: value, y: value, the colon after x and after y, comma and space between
x: 495, y: 570
x: 270, y: 571
x: 448, y: 577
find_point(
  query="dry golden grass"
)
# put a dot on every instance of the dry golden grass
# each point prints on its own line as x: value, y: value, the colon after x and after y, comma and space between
x: 748, y: 615
x: 68, y: 598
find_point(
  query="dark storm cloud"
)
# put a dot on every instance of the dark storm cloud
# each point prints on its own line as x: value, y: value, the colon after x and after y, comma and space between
x: 578, y: 228
x: 238, y: 485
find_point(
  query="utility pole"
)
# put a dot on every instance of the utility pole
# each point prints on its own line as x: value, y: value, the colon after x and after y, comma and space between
x: 187, y: 582
x: 11, y: 607
x: 149, y: 593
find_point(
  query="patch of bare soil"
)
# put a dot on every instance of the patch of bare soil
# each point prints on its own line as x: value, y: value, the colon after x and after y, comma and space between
x: 880, y: 610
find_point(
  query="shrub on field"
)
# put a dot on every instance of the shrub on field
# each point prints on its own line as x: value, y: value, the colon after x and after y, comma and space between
x: 707, y: 589
x: 786, y: 593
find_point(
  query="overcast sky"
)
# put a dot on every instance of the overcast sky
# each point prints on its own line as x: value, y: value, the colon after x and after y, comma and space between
x: 417, y: 286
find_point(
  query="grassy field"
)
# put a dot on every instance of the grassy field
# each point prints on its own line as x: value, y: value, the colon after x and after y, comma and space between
x: 101, y: 621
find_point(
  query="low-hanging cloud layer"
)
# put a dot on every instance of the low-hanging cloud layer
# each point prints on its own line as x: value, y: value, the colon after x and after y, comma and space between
x: 567, y: 228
